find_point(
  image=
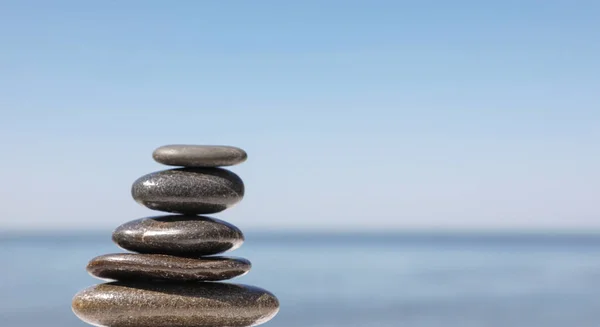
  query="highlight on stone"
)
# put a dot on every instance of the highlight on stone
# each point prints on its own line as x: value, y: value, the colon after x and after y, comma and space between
x: 173, y: 277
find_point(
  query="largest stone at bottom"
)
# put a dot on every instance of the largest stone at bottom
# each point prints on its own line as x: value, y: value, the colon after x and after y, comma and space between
x: 206, y: 304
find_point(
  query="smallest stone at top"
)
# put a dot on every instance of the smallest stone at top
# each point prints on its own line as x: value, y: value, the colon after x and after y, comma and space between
x: 204, y: 156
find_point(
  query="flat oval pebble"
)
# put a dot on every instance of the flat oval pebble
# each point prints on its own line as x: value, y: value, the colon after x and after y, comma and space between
x: 133, y: 266
x: 189, y: 190
x: 178, y: 235
x: 199, y: 155
x: 209, y: 304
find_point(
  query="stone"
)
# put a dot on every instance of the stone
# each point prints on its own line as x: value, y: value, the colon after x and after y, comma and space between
x: 205, y: 304
x: 132, y: 266
x: 178, y: 235
x: 189, y: 190
x: 199, y: 155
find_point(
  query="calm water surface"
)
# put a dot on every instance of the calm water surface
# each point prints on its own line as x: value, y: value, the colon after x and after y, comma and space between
x: 352, y: 280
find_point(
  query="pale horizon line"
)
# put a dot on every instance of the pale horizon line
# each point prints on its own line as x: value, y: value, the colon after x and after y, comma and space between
x: 343, y: 231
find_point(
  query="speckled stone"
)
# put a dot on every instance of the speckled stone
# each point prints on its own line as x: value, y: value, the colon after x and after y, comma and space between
x: 189, y: 190
x: 199, y: 155
x: 207, y: 304
x: 178, y: 235
x: 131, y: 266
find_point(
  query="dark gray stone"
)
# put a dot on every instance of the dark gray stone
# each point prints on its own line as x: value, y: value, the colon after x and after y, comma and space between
x: 132, y: 266
x: 205, y: 304
x: 189, y: 190
x: 178, y: 235
x: 199, y: 155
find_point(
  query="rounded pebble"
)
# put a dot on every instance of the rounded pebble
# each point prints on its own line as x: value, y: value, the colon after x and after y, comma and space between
x: 178, y: 235
x: 189, y: 190
x: 130, y: 266
x: 207, y: 304
x: 199, y: 155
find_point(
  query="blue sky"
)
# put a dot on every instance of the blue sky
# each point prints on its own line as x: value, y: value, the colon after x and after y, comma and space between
x: 355, y: 114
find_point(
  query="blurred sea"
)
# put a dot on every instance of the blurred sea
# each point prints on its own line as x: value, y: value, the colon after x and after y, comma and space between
x: 322, y: 280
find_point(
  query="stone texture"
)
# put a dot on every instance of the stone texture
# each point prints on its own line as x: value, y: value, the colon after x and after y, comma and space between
x: 199, y: 155
x: 207, y: 304
x: 189, y: 190
x: 178, y: 235
x: 131, y: 266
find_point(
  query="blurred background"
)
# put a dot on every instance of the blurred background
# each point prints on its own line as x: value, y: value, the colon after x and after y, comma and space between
x: 418, y: 164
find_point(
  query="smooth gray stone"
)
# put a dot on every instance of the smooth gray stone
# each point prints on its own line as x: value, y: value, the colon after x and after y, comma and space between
x: 178, y: 235
x: 189, y: 190
x: 199, y: 155
x: 205, y: 304
x: 133, y: 266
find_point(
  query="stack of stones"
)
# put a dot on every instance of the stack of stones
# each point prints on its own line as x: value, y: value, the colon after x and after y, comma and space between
x: 172, y: 279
